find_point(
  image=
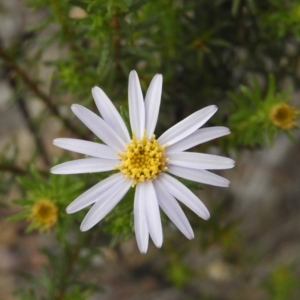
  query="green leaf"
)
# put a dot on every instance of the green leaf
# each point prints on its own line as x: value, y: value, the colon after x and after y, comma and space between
x: 137, y: 5
x: 104, y: 64
x: 251, y: 5
x: 271, y: 88
x: 20, y: 216
x: 235, y: 7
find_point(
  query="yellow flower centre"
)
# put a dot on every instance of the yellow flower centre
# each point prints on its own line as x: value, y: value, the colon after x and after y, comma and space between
x: 44, y: 213
x: 283, y: 116
x: 143, y: 159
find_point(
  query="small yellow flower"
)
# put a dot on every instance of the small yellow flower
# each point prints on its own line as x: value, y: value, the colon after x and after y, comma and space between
x: 284, y: 115
x: 44, y: 214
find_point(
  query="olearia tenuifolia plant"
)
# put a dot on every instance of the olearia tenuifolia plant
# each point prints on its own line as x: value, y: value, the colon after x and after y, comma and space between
x: 203, y: 49
x: 282, y: 18
x: 45, y: 200
x: 141, y: 161
x: 257, y: 118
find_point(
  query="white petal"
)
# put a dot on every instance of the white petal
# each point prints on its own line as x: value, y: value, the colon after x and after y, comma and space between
x: 136, y: 105
x: 99, y: 127
x: 140, y: 223
x: 101, y: 208
x: 87, y: 148
x: 200, y: 161
x: 110, y: 113
x: 183, y: 194
x: 94, y: 194
x: 173, y: 210
x: 85, y: 165
x: 198, y: 137
x: 187, y: 126
x: 152, y: 104
x: 152, y: 213
x: 201, y: 176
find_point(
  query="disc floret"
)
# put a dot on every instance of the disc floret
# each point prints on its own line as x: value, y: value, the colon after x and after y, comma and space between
x: 44, y: 214
x: 143, y: 159
x: 284, y: 116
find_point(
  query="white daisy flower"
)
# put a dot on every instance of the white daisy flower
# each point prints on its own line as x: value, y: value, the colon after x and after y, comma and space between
x: 143, y: 162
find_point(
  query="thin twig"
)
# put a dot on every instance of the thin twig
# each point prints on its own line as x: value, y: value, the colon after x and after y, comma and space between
x: 70, y: 268
x: 116, y: 40
x: 31, y: 125
x: 35, y: 90
x: 34, y: 130
x: 20, y: 171
x: 12, y: 169
x: 71, y: 264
